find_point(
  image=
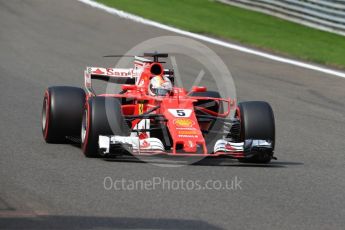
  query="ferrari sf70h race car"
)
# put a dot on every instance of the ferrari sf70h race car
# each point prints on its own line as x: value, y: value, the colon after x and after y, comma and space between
x: 152, y: 116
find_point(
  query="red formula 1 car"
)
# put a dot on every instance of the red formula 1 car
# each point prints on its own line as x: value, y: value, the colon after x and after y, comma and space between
x: 151, y: 116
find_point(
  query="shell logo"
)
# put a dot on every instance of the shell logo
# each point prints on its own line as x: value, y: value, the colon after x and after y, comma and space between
x: 183, y: 122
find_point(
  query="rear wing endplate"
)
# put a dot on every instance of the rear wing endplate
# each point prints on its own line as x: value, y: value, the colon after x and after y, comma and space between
x: 115, y: 75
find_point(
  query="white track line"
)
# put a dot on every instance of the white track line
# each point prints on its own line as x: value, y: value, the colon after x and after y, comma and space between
x: 135, y: 18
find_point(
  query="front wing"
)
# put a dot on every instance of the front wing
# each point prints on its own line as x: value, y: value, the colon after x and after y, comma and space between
x: 108, y: 145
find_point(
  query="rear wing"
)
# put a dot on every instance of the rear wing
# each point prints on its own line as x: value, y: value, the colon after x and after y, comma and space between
x: 119, y: 75
x: 116, y: 75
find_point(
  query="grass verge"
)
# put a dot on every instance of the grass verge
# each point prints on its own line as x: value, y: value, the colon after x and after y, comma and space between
x: 243, y: 26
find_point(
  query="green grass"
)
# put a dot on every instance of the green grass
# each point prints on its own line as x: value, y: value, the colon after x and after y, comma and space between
x: 243, y: 26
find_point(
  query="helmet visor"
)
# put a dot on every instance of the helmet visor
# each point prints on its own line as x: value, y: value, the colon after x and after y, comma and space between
x: 160, y: 92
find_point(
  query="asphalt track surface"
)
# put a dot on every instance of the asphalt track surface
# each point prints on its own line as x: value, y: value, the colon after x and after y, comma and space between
x: 44, y: 43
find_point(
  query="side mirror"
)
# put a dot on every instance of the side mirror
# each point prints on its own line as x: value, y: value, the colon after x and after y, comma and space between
x: 199, y: 89
x: 128, y: 87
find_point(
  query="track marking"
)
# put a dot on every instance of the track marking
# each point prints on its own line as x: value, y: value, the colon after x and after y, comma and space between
x: 243, y: 49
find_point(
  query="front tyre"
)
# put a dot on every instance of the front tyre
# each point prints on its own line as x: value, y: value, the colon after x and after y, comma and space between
x: 257, y: 122
x: 102, y: 116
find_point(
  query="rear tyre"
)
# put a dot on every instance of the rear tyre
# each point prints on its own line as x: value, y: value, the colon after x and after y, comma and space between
x: 257, y: 122
x: 102, y: 116
x: 62, y: 113
x: 213, y: 128
x: 207, y: 104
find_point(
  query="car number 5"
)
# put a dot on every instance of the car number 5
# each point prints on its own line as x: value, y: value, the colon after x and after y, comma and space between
x: 180, y: 113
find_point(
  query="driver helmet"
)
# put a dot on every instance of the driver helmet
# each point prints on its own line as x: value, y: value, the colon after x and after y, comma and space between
x: 160, y: 86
